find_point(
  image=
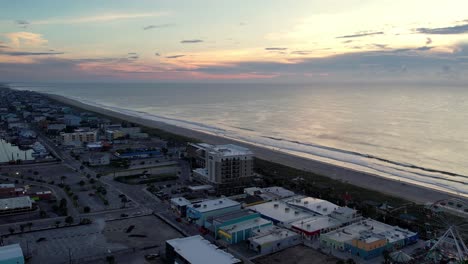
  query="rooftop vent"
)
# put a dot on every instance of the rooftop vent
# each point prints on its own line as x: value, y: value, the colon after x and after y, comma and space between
x: 276, y: 205
x: 286, y: 209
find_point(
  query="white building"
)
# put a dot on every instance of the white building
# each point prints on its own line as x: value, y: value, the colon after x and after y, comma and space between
x: 270, y: 240
x: 196, y: 250
x: 310, y: 228
x: 15, y: 205
x: 280, y: 213
x: 79, y: 135
x: 314, y: 205
x: 225, y: 164
x: 99, y: 159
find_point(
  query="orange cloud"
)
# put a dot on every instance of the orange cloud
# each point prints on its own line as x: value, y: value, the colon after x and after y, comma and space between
x: 20, y: 39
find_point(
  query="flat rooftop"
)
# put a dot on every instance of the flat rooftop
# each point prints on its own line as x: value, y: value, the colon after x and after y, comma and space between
x: 211, y: 205
x: 280, y: 211
x: 10, y: 252
x: 200, y: 188
x: 271, y: 235
x: 7, y: 185
x: 232, y: 215
x: 249, y: 224
x: 315, y: 223
x: 197, y: 250
x: 318, y: 206
x: 230, y: 150
x: 369, y: 226
x: 16, y: 202
x: 279, y: 192
x: 180, y: 201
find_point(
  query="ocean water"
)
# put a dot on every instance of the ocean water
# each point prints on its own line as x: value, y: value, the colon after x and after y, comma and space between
x: 416, y: 134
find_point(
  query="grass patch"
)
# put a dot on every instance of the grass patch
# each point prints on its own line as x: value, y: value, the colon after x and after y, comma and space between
x: 319, y: 185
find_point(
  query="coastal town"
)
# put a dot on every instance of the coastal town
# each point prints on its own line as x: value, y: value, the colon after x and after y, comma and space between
x: 79, y: 186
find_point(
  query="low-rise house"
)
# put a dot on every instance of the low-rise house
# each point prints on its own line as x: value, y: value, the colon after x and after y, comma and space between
x: 55, y: 129
x: 72, y: 120
x: 99, y: 159
x: 179, y: 205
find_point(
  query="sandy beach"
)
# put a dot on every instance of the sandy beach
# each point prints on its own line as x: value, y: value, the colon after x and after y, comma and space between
x: 418, y: 194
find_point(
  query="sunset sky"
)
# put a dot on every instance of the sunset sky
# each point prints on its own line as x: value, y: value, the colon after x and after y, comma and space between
x: 300, y: 40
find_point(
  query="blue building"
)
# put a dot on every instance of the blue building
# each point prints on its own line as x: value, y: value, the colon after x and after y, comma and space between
x: 238, y: 226
x: 11, y: 254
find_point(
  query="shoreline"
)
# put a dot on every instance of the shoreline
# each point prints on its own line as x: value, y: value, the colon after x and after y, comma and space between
x: 412, y: 192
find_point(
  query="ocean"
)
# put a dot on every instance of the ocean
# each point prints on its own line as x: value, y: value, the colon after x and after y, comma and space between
x: 415, y: 134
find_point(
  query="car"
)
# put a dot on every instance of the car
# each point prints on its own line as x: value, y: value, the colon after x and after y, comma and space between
x: 41, y: 239
x: 123, y: 215
x: 179, y: 220
x: 151, y: 256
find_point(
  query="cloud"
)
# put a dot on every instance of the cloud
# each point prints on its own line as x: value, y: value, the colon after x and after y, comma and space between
x: 18, y: 39
x: 428, y: 41
x: 460, y: 29
x: 97, y: 18
x: 389, y: 65
x: 157, y: 54
x: 190, y: 41
x: 362, y: 34
x: 158, y: 26
x: 301, y: 52
x: 132, y: 53
x: 347, y: 41
x: 174, y: 56
x: 380, y: 46
x: 242, y: 24
x: 25, y: 53
x: 273, y: 49
x: 22, y: 23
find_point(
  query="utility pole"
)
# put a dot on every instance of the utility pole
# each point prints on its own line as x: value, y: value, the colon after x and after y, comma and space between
x: 69, y: 256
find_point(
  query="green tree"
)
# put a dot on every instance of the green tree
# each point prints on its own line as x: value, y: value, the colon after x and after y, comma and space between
x: 69, y: 220
x: 11, y: 230
x: 42, y: 214
x: 86, y: 209
x: 82, y: 183
x: 110, y: 259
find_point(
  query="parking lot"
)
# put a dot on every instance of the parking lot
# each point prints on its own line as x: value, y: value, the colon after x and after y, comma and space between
x: 98, y: 239
x: 148, y: 231
x: 299, y: 254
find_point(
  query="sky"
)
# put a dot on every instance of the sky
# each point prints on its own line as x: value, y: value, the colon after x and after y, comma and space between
x: 218, y: 40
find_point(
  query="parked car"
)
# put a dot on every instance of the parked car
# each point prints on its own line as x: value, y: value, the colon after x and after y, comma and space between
x: 151, y: 256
